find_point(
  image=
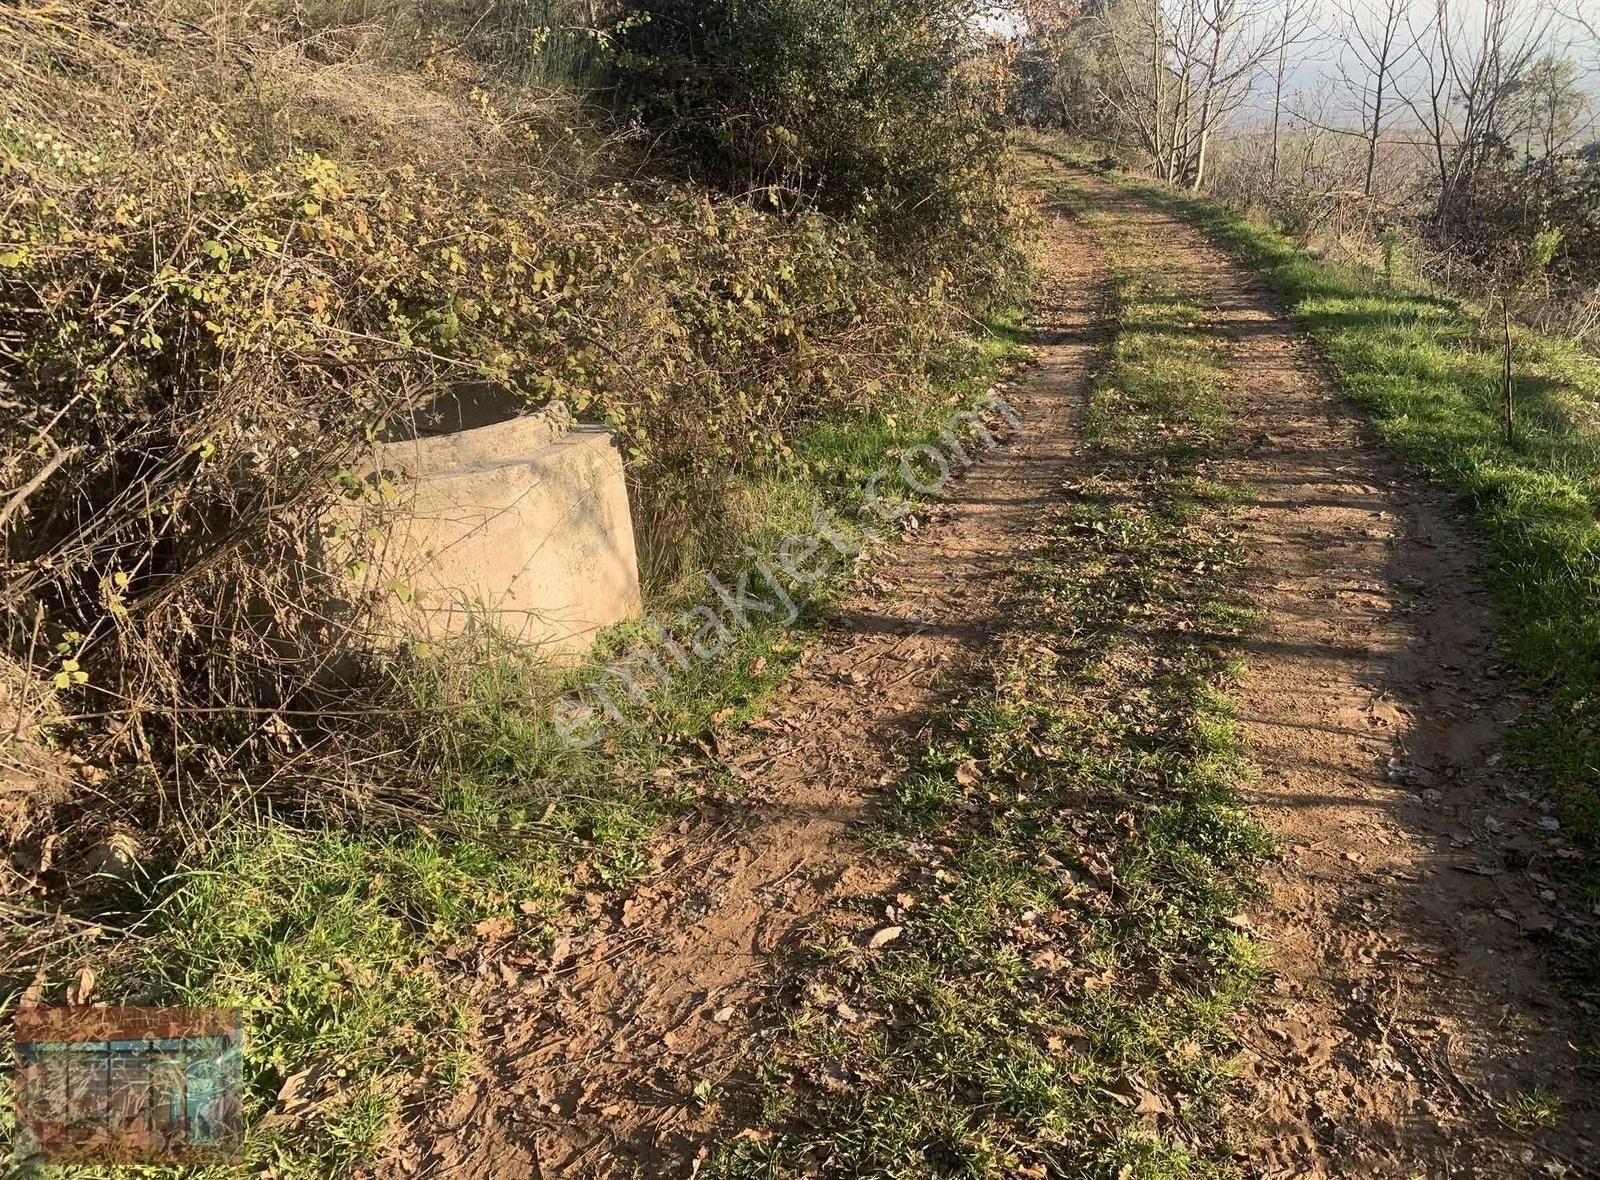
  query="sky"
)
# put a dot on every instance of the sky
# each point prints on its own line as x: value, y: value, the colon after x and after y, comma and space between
x: 1315, y: 62
x: 1313, y: 76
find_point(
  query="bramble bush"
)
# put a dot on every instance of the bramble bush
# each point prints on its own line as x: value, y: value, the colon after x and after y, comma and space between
x: 223, y: 274
x: 1513, y: 203
x: 239, y: 243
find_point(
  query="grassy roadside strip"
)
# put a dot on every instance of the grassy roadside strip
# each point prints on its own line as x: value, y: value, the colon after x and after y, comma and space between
x: 1429, y: 374
x: 1056, y: 999
x: 345, y: 948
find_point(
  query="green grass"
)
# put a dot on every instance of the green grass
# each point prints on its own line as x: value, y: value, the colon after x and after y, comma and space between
x: 340, y: 945
x: 1429, y: 375
x: 1536, y: 1110
x: 1070, y: 846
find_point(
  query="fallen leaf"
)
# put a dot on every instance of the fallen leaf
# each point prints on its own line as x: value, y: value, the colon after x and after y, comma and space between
x: 306, y: 1086
x: 723, y: 1015
x: 495, y: 928
x: 82, y: 988
x: 293, y: 1091
x: 1151, y: 1103
x: 47, y: 853
x: 1138, y: 1098
x: 884, y: 937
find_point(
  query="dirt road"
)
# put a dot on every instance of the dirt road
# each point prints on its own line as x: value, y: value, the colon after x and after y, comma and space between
x: 1405, y: 1026
x: 1408, y: 1018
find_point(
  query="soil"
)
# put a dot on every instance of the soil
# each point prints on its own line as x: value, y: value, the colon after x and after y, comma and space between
x: 1406, y: 1004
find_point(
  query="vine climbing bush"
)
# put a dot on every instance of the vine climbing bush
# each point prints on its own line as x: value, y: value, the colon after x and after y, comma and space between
x: 216, y: 298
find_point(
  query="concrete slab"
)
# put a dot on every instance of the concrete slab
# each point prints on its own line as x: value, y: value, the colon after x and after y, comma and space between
x: 522, y: 525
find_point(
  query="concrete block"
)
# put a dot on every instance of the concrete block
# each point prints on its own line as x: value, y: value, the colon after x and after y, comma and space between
x: 522, y: 524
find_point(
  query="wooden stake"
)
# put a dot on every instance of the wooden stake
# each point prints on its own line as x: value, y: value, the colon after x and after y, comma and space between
x: 1508, y: 398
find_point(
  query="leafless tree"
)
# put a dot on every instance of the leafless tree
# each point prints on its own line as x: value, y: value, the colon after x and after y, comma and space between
x: 1178, y: 69
x: 1238, y: 37
x: 1380, y: 46
x: 1434, y: 106
x: 1133, y: 42
x: 1297, y: 23
x: 1588, y: 21
x: 1475, y: 66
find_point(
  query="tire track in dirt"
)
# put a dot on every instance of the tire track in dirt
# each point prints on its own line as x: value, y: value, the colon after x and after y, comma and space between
x: 1406, y: 1006
x: 592, y: 1059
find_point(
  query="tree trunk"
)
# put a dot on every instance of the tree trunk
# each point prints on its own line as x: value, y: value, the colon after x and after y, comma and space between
x: 1277, y: 122
x: 1372, y: 137
x: 1158, y: 47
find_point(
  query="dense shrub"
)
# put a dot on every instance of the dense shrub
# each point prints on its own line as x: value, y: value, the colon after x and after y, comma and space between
x: 239, y: 242
x: 214, y: 293
x: 1505, y: 207
x: 874, y: 112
